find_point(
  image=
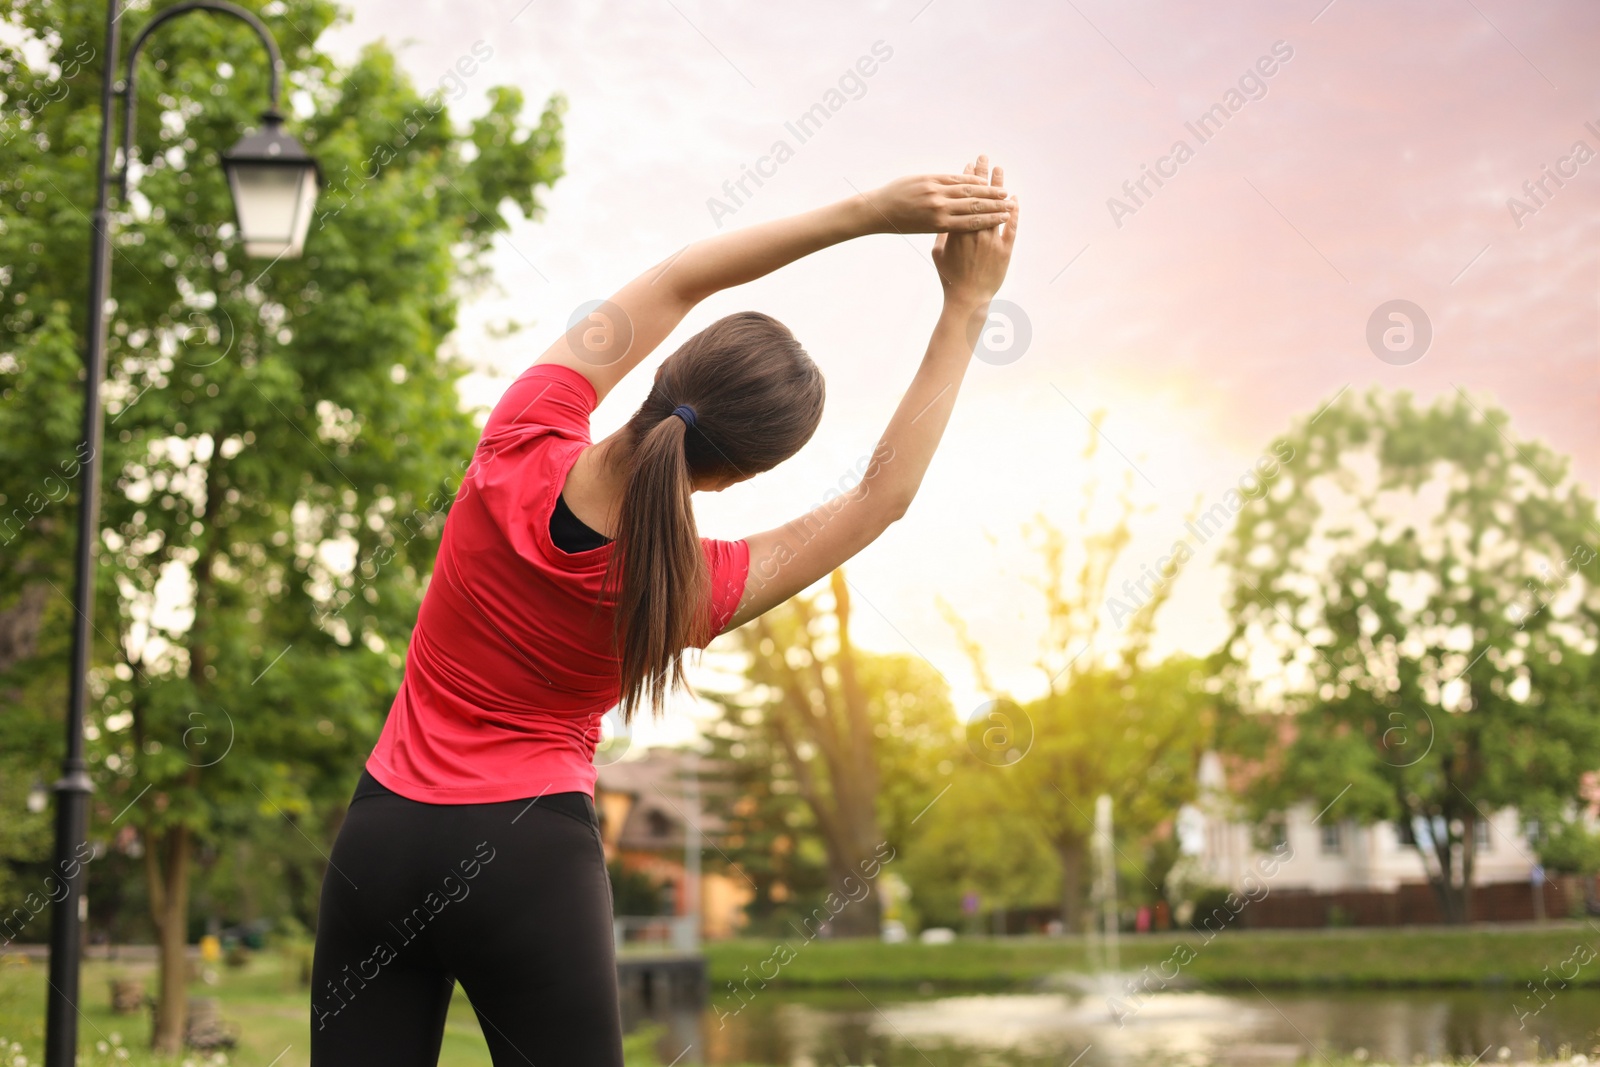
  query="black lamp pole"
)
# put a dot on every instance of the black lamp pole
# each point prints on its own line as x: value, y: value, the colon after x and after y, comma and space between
x: 73, y: 788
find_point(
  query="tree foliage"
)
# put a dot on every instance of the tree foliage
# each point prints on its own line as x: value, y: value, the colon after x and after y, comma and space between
x: 1415, y: 616
x: 966, y: 844
x: 283, y: 439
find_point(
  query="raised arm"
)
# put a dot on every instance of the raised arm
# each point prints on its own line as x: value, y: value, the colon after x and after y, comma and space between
x: 616, y: 336
x: 788, y: 559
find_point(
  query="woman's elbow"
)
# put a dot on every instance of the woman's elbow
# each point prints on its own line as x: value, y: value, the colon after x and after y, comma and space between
x: 894, y: 504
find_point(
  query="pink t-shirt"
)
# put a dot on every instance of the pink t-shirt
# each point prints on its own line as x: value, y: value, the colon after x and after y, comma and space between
x: 512, y: 662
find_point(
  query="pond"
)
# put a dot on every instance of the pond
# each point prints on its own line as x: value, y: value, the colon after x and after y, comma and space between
x: 1173, y: 1029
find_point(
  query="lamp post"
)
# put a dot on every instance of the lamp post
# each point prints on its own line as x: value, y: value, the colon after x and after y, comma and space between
x: 274, y: 185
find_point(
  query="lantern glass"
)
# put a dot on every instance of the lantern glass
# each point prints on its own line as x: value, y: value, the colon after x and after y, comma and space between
x: 274, y: 184
x: 274, y: 203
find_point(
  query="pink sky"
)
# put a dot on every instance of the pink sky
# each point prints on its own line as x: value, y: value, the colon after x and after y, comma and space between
x: 1377, y: 166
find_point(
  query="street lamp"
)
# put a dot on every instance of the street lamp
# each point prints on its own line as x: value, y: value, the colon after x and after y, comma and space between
x: 274, y: 185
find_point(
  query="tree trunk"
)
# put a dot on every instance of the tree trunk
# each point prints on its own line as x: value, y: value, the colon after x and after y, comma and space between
x: 835, y: 718
x: 19, y: 626
x: 1450, y: 895
x: 167, y: 871
x: 1453, y: 890
x: 861, y: 917
x: 167, y: 867
x: 1438, y: 881
x: 856, y: 858
x: 1070, y: 853
x: 854, y: 771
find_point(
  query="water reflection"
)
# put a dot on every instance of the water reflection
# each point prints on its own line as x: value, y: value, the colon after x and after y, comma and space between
x: 1182, y: 1029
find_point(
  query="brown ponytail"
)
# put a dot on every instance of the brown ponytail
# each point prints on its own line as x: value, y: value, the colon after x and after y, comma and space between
x: 756, y: 398
x: 659, y: 569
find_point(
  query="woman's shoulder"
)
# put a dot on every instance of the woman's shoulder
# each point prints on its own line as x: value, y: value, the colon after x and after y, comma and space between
x: 545, y: 398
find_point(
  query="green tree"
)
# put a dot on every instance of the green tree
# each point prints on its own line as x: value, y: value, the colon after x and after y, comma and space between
x: 1112, y: 721
x: 965, y: 844
x: 1130, y: 731
x: 830, y: 755
x: 283, y: 439
x: 1417, y: 595
x: 1570, y: 847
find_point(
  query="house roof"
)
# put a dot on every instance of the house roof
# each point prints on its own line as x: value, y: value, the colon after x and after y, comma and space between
x: 661, y: 806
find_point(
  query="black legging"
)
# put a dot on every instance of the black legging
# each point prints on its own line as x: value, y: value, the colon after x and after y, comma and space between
x: 509, y: 899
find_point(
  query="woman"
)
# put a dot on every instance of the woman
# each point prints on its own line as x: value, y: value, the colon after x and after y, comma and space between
x: 570, y: 579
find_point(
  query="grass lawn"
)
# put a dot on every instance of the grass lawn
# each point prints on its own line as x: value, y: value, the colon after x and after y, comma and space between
x: 273, y: 1018
x: 1285, y: 959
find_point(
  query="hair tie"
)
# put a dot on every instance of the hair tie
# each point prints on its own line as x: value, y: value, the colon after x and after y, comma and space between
x: 685, y: 412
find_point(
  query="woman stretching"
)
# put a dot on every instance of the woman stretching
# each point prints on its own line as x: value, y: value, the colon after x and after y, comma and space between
x: 570, y: 580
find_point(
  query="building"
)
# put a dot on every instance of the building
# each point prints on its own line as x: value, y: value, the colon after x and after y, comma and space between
x: 648, y: 805
x: 1336, y: 869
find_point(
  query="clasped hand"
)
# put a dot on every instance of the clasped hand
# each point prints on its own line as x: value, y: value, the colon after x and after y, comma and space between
x: 974, y: 216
